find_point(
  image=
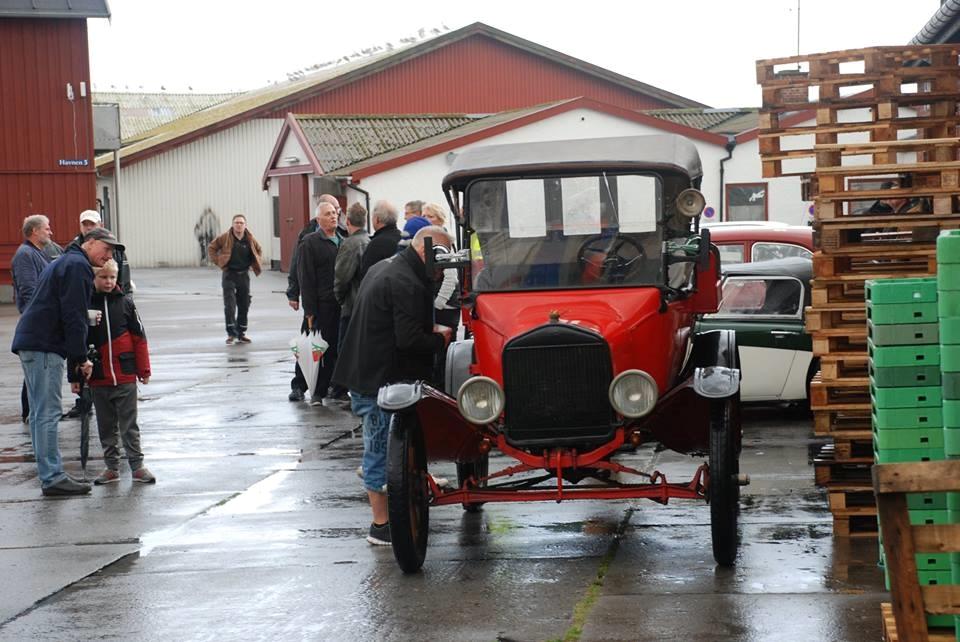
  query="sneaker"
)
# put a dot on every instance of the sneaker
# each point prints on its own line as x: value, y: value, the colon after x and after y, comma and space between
x: 295, y: 395
x: 379, y: 534
x: 441, y: 482
x: 360, y: 471
x: 333, y: 402
x: 243, y: 339
x: 108, y: 476
x: 68, y: 486
x: 144, y: 476
x: 230, y: 340
x: 316, y: 401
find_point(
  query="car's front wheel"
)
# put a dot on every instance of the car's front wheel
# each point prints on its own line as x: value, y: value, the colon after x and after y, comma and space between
x: 407, y: 491
x: 724, y: 487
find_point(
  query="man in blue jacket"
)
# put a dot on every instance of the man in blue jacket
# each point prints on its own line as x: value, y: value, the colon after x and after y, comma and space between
x: 53, y: 328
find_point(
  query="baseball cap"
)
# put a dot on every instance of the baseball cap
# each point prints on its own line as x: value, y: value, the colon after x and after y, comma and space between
x: 413, y: 226
x: 90, y: 215
x: 105, y: 235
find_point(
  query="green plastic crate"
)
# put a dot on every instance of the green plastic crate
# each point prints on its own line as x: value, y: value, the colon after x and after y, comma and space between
x: 948, y: 247
x: 949, y: 330
x: 928, y: 501
x: 950, y: 386
x: 908, y: 438
x: 902, y: 313
x: 948, y: 305
x: 950, y: 358
x: 905, y: 377
x: 924, y: 397
x: 918, y: 290
x: 900, y: 455
x: 898, y: 356
x: 951, y: 413
x: 953, y: 502
x: 900, y: 418
x: 948, y: 277
x: 920, y: 517
x: 904, y: 334
x: 951, y: 447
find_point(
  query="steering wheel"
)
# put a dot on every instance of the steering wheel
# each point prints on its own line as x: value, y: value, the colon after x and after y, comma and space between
x: 603, y: 257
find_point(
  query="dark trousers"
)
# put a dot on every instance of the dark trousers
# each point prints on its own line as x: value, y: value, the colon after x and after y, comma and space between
x: 236, y: 301
x: 117, y: 422
x: 328, y: 323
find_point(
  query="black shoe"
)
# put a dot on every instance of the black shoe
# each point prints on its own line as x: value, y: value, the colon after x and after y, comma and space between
x: 379, y: 534
x: 243, y: 339
x: 64, y: 487
x: 73, y: 413
x: 295, y: 395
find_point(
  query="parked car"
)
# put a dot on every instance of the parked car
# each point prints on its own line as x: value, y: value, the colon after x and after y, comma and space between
x: 583, y: 276
x: 763, y: 302
x: 746, y: 241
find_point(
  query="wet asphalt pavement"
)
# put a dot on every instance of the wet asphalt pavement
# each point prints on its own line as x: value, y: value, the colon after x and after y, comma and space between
x: 255, y: 528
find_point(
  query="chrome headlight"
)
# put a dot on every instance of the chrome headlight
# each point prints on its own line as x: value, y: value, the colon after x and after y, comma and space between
x: 480, y: 400
x: 633, y: 393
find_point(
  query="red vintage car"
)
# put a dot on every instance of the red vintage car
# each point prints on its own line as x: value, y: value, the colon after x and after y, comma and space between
x: 584, y: 271
x: 747, y: 241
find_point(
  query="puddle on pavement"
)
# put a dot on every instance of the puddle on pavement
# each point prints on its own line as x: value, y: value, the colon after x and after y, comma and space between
x: 254, y: 498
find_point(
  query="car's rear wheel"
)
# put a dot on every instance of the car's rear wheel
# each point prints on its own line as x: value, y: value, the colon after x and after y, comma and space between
x: 724, y: 489
x: 477, y: 469
x: 407, y: 491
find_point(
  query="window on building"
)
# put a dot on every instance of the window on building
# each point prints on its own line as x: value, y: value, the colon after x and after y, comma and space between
x: 746, y: 201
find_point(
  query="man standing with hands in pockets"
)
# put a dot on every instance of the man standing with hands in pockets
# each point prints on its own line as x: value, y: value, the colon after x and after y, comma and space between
x: 54, y: 328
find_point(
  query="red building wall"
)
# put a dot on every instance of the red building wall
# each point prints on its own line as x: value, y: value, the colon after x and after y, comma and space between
x: 40, y: 127
x: 474, y: 75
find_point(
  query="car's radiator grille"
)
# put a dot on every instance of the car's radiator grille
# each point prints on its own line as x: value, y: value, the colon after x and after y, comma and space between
x: 556, y: 381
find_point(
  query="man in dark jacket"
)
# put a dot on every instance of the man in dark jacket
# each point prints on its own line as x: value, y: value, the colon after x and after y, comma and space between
x: 386, y: 236
x: 54, y: 328
x: 236, y: 252
x: 391, y: 338
x: 318, y: 256
x: 90, y: 219
x: 346, y: 278
x: 293, y: 279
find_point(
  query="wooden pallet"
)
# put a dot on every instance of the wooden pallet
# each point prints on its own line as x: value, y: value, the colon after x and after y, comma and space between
x: 891, y: 262
x: 890, y: 628
x: 932, y: 155
x: 846, y: 394
x: 876, y: 234
x: 860, y: 63
x: 858, y: 450
x: 842, y: 365
x: 838, y: 344
x: 845, y: 317
x: 855, y: 526
x: 842, y: 424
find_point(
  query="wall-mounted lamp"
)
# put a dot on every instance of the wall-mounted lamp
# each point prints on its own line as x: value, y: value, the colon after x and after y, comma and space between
x: 291, y: 160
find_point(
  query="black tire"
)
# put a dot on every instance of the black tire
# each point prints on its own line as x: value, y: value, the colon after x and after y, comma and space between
x: 476, y: 469
x: 407, y: 491
x: 724, y: 493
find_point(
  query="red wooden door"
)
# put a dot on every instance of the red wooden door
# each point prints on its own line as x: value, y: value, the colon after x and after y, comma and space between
x: 294, y: 214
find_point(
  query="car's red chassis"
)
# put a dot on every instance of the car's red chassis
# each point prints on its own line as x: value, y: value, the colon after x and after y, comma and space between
x: 558, y: 461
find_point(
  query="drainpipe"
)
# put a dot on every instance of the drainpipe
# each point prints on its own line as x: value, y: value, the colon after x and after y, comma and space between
x: 366, y: 196
x: 731, y: 143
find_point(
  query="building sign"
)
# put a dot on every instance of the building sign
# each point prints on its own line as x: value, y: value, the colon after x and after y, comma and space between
x: 73, y: 162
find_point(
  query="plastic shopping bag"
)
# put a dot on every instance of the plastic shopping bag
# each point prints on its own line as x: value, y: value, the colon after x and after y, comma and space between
x: 308, y: 350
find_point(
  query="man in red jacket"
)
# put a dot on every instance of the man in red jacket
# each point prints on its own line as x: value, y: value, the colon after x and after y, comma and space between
x: 123, y: 359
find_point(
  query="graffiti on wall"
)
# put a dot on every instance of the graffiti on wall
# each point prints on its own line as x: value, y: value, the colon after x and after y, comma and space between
x: 206, y: 229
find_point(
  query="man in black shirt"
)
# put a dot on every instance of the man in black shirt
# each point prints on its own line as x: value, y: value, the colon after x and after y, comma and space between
x: 236, y: 252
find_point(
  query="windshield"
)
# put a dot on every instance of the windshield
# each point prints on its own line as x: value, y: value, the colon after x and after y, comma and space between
x: 581, y: 231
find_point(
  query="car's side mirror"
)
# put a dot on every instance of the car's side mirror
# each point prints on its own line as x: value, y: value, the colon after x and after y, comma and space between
x: 706, y: 299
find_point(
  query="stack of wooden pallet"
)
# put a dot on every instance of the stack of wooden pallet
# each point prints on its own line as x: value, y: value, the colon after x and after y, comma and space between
x: 881, y: 164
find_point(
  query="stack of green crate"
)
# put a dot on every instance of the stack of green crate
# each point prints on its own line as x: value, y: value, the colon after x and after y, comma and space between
x: 948, y: 291
x: 905, y: 392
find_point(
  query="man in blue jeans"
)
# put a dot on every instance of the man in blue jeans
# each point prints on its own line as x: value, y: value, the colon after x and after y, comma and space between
x: 391, y: 338
x: 54, y: 328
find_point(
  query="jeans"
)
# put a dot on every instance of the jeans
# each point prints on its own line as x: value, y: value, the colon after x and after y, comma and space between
x: 236, y: 301
x: 117, y: 422
x: 43, y: 372
x: 376, y: 428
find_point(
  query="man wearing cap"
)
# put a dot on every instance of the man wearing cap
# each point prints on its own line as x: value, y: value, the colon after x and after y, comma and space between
x: 54, y: 328
x: 90, y: 219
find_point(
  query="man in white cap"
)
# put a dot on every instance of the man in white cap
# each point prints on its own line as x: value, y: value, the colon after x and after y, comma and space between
x: 89, y: 220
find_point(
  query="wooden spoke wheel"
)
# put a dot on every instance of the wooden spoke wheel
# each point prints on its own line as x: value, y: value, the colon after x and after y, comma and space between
x: 407, y: 491
x: 724, y: 491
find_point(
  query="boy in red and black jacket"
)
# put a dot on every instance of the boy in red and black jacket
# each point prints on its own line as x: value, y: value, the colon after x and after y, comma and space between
x: 121, y: 345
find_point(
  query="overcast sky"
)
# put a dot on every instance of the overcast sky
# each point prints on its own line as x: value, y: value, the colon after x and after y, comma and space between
x: 703, y: 50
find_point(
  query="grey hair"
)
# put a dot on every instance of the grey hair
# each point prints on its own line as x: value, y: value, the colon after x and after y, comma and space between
x: 414, y: 205
x: 437, y: 233
x: 320, y: 205
x: 33, y: 222
x: 357, y: 215
x: 385, y: 212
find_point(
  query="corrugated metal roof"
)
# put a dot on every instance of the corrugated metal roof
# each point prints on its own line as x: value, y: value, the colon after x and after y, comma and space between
x: 943, y: 27
x: 142, y: 112
x: 54, y: 9
x: 339, y: 141
x: 278, y: 96
x: 717, y: 121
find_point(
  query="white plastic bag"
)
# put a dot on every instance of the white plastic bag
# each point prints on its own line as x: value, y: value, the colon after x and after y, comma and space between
x: 308, y: 349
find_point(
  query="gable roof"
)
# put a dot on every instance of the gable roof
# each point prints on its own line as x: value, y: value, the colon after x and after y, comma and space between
x: 335, y: 141
x: 140, y: 113
x: 275, y: 97
x: 719, y: 121
x: 507, y: 121
x: 54, y: 9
